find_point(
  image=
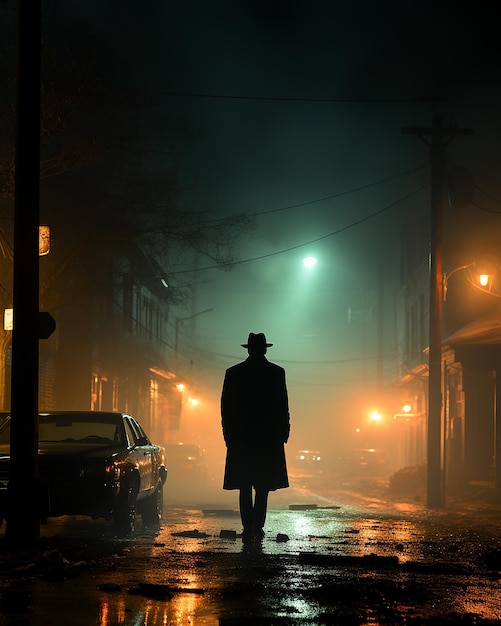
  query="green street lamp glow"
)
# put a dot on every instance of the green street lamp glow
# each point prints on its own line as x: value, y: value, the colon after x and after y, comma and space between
x: 309, y: 262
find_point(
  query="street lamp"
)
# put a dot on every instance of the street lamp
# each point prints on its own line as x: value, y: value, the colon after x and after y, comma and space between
x: 375, y: 416
x: 482, y: 278
x: 438, y: 294
x: 309, y: 262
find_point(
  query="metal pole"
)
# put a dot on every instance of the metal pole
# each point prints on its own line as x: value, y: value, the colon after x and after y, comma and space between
x: 23, y: 523
x: 497, y: 440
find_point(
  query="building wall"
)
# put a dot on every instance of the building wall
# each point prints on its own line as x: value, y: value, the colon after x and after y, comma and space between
x: 111, y: 352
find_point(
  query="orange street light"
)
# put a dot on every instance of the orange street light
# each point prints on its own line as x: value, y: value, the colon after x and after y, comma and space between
x: 375, y: 416
x: 481, y: 277
x: 484, y: 279
x: 43, y: 240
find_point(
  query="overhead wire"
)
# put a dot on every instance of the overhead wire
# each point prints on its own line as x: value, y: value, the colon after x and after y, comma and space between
x: 486, y: 193
x: 305, y: 243
x: 490, y: 197
x: 220, y: 96
x: 485, y: 209
x: 295, y: 362
x: 339, y: 194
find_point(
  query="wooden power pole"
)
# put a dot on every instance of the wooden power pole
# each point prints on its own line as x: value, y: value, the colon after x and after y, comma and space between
x: 439, y: 137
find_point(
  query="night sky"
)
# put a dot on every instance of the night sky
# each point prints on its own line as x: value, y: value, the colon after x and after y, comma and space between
x: 294, y: 113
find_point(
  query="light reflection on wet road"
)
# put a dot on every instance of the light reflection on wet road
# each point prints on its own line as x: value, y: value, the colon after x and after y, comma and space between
x: 433, y: 569
x: 218, y: 579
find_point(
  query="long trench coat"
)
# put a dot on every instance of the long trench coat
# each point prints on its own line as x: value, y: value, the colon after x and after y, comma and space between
x: 256, y: 425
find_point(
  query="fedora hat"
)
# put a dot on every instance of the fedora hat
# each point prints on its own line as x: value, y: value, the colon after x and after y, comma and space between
x: 256, y: 340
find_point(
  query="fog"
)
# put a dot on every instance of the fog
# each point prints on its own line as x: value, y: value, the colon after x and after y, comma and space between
x: 291, y: 113
x: 333, y: 180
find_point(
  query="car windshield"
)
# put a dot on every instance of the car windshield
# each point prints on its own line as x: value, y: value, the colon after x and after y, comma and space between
x: 64, y: 429
x: 70, y: 429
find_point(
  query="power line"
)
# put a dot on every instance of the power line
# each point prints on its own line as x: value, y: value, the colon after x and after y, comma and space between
x: 490, y: 197
x: 306, y: 243
x: 324, y: 198
x: 216, y: 96
x: 487, y: 194
x: 293, y: 362
x: 339, y: 194
x: 485, y: 209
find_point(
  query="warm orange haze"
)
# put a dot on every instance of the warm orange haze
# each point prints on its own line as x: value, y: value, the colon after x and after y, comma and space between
x: 250, y: 288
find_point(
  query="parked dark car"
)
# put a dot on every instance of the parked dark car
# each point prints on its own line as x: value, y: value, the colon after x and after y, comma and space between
x: 95, y: 463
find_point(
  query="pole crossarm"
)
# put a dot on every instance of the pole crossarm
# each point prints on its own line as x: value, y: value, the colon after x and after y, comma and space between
x: 428, y: 130
x: 450, y: 133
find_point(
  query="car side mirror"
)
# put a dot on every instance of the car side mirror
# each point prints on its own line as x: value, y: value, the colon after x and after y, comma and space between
x: 142, y: 441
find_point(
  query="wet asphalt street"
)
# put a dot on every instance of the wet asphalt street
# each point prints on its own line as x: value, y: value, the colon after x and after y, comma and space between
x: 338, y: 560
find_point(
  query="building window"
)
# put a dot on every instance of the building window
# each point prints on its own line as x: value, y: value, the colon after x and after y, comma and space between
x: 422, y: 319
x: 114, y: 404
x: 94, y: 398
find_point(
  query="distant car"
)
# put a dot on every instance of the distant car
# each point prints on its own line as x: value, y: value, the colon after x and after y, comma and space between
x: 95, y: 463
x: 308, y: 456
x: 364, y: 462
x: 307, y: 463
x: 185, y: 459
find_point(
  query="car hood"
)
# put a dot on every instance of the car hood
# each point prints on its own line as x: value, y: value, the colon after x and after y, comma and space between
x: 78, y: 449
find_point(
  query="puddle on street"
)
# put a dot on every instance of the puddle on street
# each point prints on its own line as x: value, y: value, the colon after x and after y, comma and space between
x: 214, y: 580
x: 87, y: 606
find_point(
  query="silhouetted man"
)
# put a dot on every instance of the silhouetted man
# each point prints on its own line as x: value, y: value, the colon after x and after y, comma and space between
x: 255, y: 420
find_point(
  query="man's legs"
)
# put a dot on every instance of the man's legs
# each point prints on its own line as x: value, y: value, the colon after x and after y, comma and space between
x: 253, y: 514
x: 246, y: 508
x: 260, y: 505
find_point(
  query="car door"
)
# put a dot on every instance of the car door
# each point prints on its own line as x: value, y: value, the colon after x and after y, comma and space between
x: 143, y: 455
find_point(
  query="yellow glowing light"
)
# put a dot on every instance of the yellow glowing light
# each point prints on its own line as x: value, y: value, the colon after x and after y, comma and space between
x: 43, y: 240
x: 483, y: 279
x: 193, y: 401
x: 375, y: 416
x: 407, y: 408
x: 180, y: 387
x: 8, y: 319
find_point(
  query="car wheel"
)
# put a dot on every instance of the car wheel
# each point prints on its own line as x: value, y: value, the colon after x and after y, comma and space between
x: 152, y: 507
x: 124, y: 519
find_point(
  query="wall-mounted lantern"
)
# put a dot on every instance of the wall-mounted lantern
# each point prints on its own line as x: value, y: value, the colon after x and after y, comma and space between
x: 43, y: 240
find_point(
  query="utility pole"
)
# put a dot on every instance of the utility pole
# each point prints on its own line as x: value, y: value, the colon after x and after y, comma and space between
x: 440, y: 136
x: 23, y: 521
